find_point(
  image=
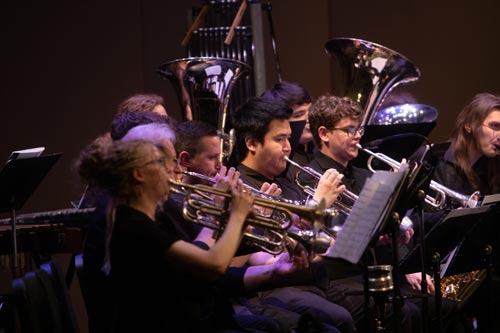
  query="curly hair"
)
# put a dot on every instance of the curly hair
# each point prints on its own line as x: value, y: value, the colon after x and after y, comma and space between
x: 328, y: 110
x: 140, y: 102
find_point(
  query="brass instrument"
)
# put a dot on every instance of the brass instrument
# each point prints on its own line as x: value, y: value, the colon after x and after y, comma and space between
x: 441, y: 192
x: 256, y: 192
x: 305, y: 226
x: 370, y: 72
x: 461, y: 286
x: 346, y: 199
x: 268, y: 233
x: 203, y: 86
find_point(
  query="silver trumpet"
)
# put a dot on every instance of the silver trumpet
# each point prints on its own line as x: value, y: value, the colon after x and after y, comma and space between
x: 341, y: 204
x: 442, y: 192
x: 269, y: 233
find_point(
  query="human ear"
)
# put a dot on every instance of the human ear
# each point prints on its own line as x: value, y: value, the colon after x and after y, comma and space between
x: 468, y: 129
x: 251, y: 144
x: 184, y: 159
x: 323, y: 134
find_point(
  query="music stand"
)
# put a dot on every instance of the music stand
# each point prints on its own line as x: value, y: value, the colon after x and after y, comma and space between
x: 18, y: 180
x: 444, y: 236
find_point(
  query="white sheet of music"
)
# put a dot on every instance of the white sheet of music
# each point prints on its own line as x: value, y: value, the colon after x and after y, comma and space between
x: 366, y: 216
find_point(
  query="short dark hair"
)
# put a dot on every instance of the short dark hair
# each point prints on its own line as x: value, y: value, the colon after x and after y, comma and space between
x: 252, y: 120
x: 123, y: 122
x: 292, y: 94
x: 189, y: 133
x: 328, y: 110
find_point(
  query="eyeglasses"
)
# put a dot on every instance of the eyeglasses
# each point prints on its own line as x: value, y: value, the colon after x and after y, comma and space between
x: 495, y: 127
x: 351, y: 130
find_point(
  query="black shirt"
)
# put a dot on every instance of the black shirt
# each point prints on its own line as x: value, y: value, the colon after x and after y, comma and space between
x: 289, y: 190
x: 447, y: 173
x: 150, y: 295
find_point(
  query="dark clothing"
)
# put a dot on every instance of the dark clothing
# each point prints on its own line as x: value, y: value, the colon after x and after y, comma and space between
x: 447, y: 173
x: 96, y: 294
x: 143, y: 283
x: 354, y: 177
x: 305, y: 300
x: 289, y: 190
x: 301, y: 157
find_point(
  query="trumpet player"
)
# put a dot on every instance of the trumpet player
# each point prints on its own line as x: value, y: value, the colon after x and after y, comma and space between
x: 262, y: 131
x: 470, y: 164
x: 197, y: 155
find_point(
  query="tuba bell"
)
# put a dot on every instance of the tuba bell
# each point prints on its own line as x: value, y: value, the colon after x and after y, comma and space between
x: 203, y: 86
x: 370, y: 71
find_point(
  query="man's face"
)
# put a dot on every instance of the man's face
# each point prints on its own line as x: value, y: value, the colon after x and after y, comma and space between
x: 488, y: 135
x: 269, y: 156
x: 301, y: 112
x: 340, y: 145
x: 207, y: 160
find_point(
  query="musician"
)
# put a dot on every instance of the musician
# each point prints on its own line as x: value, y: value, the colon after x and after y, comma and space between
x: 471, y: 164
x: 335, y: 125
x: 198, y: 146
x: 295, y: 96
x: 151, y: 296
x: 472, y: 160
x: 262, y: 131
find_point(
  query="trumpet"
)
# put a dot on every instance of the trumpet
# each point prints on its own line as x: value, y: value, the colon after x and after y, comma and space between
x: 341, y: 204
x: 268, y: 233
x: 253, y: 190
x: 441, y: 192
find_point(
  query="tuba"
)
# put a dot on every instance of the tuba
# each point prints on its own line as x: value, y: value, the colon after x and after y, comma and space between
x: 370, y: 71
x: 203, y: 86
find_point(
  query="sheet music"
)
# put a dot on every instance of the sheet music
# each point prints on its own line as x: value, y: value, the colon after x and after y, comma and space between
x: 26, y: 153
x: 368, y: 212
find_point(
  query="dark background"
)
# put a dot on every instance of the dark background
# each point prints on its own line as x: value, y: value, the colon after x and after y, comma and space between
x: 66, y: 65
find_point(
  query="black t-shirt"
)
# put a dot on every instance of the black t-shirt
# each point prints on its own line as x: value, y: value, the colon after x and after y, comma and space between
x: 289, y: 190
x: 149, y: 295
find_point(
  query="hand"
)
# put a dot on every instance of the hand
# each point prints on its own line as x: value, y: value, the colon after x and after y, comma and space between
x: 224, y: 180
x: 241, y: 201
x: 415, y: 281
x: 271, y: 189
x: 405, y: 238
x: 329, y: 187
x: 286, y: 265
x: 226, y: 177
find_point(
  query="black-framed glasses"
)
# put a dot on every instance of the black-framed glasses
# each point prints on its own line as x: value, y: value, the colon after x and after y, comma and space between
x: 351, y: 130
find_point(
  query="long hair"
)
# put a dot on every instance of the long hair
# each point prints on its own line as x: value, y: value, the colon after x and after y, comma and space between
x: 464, y: 142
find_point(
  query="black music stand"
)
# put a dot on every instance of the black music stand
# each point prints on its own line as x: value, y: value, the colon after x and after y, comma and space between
x: 18, y: 180
x: 373, y: 213
x: 444, y: 236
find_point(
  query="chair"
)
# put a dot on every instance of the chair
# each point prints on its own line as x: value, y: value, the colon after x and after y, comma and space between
x: 43, y: 301
x: 96, y: 292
